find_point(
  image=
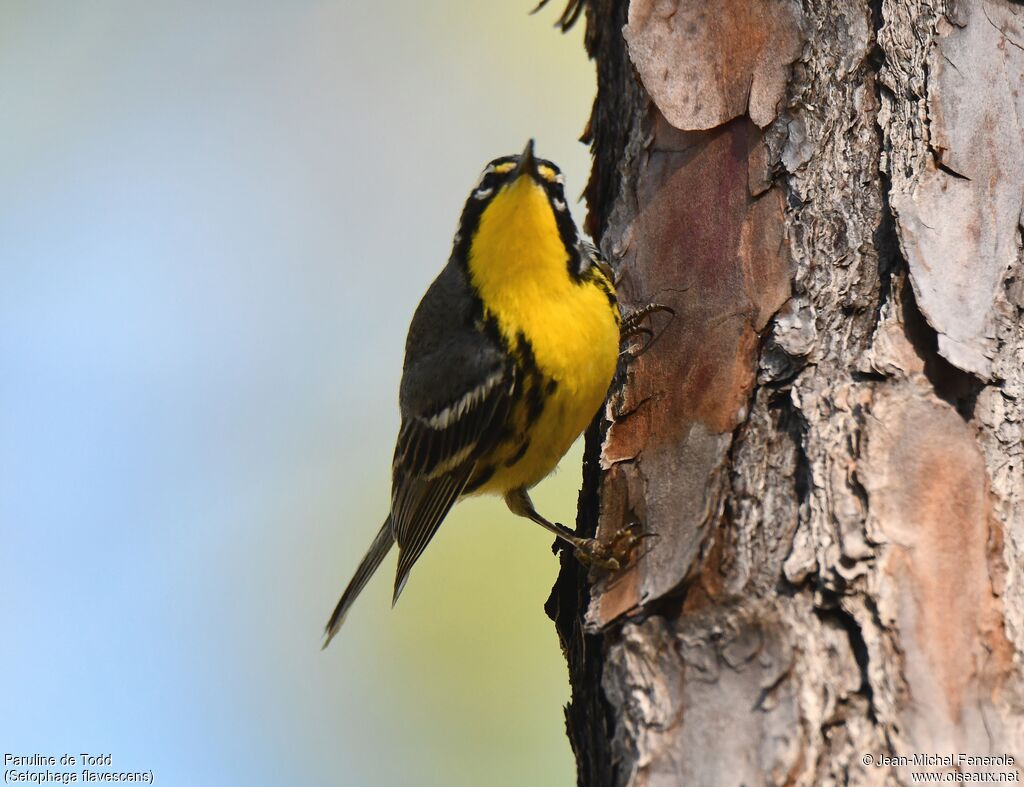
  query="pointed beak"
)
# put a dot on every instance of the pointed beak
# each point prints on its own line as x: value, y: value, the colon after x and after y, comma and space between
x: 527, y: 163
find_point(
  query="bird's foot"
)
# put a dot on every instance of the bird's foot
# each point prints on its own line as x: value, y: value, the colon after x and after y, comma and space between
x: 632, y: 326
x: 616, y: 553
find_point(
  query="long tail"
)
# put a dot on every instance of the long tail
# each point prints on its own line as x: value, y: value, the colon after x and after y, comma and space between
x: 378, y: 549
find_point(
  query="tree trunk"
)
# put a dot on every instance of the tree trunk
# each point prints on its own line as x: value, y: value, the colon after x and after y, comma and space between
x: 826, y: 439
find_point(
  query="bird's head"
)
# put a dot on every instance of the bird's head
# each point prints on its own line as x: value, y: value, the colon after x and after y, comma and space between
x: 520, y: 177
x: 517, y: 213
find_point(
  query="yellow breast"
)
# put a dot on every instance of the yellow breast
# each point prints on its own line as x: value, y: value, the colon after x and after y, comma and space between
x: 519, y: 265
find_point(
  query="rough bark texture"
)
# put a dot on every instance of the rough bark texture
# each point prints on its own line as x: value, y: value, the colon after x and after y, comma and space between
x: 827, y: 438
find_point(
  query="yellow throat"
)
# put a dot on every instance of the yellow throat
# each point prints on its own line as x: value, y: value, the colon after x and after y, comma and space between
x: 517, y: 244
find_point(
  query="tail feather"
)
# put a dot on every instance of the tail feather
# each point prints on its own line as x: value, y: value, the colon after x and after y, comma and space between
x: 378, y: 549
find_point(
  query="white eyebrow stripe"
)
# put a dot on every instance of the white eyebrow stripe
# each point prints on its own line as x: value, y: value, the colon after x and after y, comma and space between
x: 482, y: 193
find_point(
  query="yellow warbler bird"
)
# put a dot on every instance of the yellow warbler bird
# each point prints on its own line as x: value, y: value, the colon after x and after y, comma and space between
x: 509, y: 357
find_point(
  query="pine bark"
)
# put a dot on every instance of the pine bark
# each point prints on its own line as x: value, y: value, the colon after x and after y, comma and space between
x: 827, y: 438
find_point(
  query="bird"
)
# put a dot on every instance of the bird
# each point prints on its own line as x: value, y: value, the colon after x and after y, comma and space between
x: 509, y: 356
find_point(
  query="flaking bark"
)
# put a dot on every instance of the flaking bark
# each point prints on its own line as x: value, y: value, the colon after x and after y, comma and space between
x: 827, y: 438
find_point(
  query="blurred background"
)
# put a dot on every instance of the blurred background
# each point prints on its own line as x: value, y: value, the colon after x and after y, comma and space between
x: 216, y: 220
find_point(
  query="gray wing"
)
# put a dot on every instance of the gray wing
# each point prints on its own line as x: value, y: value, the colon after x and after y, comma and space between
x: 457, y: 387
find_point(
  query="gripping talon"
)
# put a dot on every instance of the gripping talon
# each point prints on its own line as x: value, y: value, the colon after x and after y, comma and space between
x: 592, y: 553
x: 636, y: 330
x: 636, y: 350
x: 631, y: 326
x: 634, y: 318
x: 615, y: 554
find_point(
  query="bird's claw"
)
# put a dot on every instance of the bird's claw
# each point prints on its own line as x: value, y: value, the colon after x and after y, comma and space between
x: 632, y: 326
x: 615, y: 554
x: 593, y: 554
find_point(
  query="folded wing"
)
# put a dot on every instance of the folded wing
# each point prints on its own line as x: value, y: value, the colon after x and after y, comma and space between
x: 457, y: 388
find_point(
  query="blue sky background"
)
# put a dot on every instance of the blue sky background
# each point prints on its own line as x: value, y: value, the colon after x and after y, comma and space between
x: 215, y: 222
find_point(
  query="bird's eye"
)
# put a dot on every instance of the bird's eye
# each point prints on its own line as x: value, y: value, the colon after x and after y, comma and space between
x: 559, y: 204
x: 483, y: 193
x: 483, y: 177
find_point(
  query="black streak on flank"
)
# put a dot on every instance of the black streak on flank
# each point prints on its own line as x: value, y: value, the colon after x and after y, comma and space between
x: 595, y: 277
x: 481, y: 478
x: 534, y: 403
x: 518, y: 454
x: 525, y: 357
x: 531, y: 374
